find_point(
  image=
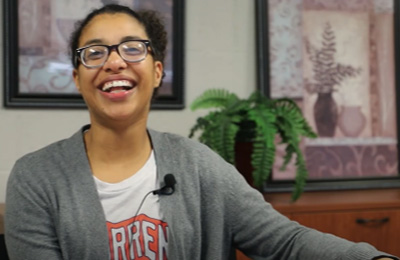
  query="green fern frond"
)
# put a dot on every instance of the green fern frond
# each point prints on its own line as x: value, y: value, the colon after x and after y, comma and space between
x: 263, y: 155
x: 265, y: 121
x: 200, y: 125
x: 223, y: 138
x: 203, y: 124
x: 256, y: 98
x: 219, y: 134
x: 214, y: 98
x: 262, y: 160
x: 301, y: 176
x: 291, y: 121
x: 289, y: 151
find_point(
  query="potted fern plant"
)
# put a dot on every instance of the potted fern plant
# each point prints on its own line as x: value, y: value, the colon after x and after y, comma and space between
x: 259, y: 119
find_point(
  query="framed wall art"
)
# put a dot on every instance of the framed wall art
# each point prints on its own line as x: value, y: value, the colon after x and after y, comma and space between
x: 338, y: 60
x: 37, y: 67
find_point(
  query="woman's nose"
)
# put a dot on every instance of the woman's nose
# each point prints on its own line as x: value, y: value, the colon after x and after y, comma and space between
x: 114, y: 62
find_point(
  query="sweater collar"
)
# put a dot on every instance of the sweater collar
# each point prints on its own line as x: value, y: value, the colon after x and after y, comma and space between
x: 161, y: 147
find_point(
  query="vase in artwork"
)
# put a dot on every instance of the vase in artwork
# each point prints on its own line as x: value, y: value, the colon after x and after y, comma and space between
x: 351, y: 121
x: 325, y: 114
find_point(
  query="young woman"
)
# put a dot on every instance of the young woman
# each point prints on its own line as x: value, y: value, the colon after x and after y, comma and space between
x: 91, y: 196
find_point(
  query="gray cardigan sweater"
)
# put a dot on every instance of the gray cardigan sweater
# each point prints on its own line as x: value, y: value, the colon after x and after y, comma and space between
x: 53, y: 210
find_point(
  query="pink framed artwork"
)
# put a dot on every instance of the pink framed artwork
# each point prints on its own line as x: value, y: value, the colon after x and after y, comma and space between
x: 37, y: 67
x: 338, y: 60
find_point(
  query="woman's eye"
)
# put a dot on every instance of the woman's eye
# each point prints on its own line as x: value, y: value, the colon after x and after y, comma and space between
x: 132, y: 49
x: 93, y: 54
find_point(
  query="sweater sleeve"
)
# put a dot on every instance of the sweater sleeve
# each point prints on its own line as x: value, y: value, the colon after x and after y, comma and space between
x: 261, y: 232
x: 29, y: 229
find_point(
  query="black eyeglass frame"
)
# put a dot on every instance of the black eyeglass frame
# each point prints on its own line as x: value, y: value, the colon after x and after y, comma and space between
x: 78, y: 52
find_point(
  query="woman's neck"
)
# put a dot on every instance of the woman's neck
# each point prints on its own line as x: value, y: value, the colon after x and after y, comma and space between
x: 121, y: 152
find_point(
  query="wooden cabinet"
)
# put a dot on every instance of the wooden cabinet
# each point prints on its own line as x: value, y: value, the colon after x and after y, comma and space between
x: 371, y: 216
x: 373, y: 226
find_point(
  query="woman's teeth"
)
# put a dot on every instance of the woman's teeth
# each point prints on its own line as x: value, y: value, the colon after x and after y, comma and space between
x: 117, y: 86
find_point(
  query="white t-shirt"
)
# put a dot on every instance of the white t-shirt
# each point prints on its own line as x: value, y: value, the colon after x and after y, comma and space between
x: 134, y: 234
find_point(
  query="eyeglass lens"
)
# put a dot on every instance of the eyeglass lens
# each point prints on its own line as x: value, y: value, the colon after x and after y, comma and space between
x: 130, y: 51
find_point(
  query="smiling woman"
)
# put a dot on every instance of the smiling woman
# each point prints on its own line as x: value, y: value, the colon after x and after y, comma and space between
x: 103, y: 61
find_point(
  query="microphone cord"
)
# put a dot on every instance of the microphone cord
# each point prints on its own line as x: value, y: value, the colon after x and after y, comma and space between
x: 168, y: 189
x: 141, y: 203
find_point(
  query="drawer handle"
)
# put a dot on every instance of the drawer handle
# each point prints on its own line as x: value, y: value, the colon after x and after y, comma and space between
x: 372, y: 221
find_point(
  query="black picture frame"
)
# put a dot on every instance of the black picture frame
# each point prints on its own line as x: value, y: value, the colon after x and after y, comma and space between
x: 264, y: 86
x: 13, y: 98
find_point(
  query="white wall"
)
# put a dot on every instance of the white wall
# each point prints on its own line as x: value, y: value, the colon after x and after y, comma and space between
x: 220, y: 53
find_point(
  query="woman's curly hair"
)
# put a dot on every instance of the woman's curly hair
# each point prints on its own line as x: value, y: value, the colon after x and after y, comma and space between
x: 150, y: 19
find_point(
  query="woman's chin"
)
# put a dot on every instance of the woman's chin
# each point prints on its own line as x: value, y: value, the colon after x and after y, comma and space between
x: 124, y: 116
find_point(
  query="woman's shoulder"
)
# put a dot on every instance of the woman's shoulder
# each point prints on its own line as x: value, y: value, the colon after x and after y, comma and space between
x: 164, y: 141
x: 176, y: 151
x: 65, y: 150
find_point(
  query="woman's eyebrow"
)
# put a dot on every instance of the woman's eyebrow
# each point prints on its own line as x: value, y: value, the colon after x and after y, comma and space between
x: 129, y: 38
x: 99, y: 41
x: 93, y: 41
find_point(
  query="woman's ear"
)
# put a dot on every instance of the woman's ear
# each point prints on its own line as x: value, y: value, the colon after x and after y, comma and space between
x: 75, y: 76
x: 158, y: 73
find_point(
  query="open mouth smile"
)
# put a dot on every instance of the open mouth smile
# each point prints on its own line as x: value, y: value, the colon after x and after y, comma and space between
x: 117, y: 86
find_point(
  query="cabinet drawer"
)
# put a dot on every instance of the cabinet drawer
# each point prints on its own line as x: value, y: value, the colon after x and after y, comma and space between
x: 379, y: 228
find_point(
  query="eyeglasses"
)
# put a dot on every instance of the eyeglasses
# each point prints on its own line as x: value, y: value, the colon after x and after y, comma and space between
x: 94, y: 56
